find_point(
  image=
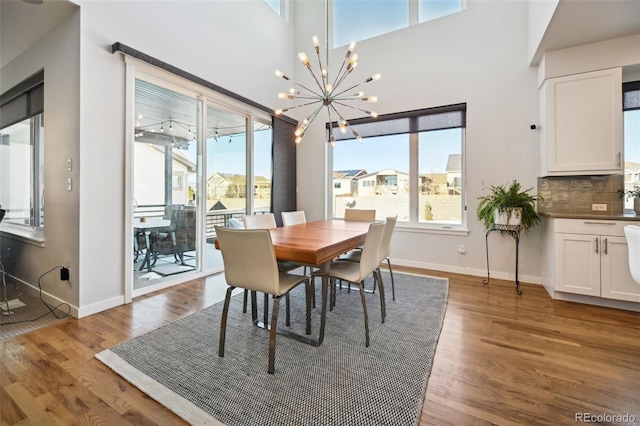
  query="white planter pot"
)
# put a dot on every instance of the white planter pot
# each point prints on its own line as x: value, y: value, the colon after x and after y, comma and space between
x: 511, y: 218
x: 636, y: 205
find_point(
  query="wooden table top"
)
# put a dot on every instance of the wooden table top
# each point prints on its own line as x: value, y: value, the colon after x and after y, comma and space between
x: 317, y: 242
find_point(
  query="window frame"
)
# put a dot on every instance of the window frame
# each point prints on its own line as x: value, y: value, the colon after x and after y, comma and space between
x: 413, y: 19
x: 25, y: 102
x: 414, y: 224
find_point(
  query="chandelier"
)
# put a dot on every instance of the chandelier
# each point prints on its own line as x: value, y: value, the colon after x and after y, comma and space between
x: 328, y: 93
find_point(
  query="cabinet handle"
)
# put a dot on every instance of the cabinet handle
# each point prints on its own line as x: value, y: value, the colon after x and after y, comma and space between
x: 605, y: 251
x: 609, y: 222
x: 597, y: 244
x: 619, y: 159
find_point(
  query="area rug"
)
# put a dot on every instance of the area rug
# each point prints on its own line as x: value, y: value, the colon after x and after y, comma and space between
x: 341, y: 382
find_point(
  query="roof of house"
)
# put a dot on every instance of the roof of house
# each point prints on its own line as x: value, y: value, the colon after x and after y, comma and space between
x: 348, y: 174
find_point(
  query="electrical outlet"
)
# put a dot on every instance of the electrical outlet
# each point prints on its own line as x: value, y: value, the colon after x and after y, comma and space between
x: 462, y: 249
x: 64, y: 274
x: 599, y: 207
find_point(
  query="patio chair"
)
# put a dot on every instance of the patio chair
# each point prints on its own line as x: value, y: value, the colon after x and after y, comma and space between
x: 250, y: 263
x: 179, y: 238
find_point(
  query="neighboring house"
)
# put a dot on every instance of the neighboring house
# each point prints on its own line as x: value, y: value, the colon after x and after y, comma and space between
x: 383, y: 182
x: 149, y: 186
x: 344, y: 181
x: 454, y: 174
x: 631, y: 173
x: 229, y: 185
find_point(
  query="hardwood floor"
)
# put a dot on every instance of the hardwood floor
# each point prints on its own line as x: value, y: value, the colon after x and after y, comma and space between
x: 501, y: 359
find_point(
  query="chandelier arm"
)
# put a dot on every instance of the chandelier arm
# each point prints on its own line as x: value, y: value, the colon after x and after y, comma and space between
x: 302, y: 105
x: 324, y: 78
x: 307, y: 89
x: 352, y: 107
x: 322, y: 89
x: 349, y: 89
x: 342, y: 73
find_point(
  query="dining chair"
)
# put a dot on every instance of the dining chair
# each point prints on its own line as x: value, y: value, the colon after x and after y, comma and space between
x: 385, y: 252
x: 293, y: 218
x: 250, y: 263
x: 360, y: 215
x: 355, y: 272
x: 267, y: 221
x: 260, y: 221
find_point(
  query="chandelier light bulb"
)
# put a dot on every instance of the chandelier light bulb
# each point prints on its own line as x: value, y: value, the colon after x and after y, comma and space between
x: 304, y: 59
x: 370, y: 99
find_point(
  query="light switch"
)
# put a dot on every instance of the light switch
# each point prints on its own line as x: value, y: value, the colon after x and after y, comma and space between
x: 68, y: 184
x: 68, y: 164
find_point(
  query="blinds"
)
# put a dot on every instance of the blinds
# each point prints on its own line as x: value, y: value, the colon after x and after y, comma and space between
x: 22, y: 101
x: 423, y: 120
x: 631, y: 95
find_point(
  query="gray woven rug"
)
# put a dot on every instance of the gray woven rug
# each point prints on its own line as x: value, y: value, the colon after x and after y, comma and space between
x: 341, y: 382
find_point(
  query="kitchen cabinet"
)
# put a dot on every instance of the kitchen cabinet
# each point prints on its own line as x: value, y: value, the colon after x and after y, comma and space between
x: 590, y: 257
x: 581, y: 130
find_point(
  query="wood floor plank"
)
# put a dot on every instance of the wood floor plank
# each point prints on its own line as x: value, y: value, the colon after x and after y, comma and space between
x: 501, y: 359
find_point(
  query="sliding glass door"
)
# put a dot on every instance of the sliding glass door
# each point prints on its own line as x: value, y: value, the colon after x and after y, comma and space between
x: 165, y: 184
x: 197, y: 160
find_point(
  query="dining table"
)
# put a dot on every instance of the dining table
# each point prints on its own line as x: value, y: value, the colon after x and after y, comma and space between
x: 316, y: 244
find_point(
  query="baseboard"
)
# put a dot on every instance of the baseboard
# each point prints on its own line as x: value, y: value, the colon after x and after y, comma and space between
x: 528, y: 279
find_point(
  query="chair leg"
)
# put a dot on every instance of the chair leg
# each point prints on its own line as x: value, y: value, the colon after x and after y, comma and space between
x: 383, y: 306
x: 244, y: 301
x: 272, y: 335
x: 254, y: 307
x: 223, y: 323
x: 366, y: 317
x: 393, y: 286
x: 288, y: 312
x: 307, y: 291
x: 265, y: 315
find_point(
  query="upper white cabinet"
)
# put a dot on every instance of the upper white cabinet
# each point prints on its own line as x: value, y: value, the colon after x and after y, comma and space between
x: 581, y: 124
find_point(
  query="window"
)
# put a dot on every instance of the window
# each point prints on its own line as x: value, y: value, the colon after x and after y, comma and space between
x: 22, y: 153
x: 631, y: 100
x: 276, y: 5
x: 383, y: 16
x: 410, y: 164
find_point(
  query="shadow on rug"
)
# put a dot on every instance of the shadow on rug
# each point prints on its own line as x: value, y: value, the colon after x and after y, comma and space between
x: 339, y: 382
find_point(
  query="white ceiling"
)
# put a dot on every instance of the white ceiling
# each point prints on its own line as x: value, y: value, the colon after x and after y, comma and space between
x: 589, y: 21
x: 23, y: 23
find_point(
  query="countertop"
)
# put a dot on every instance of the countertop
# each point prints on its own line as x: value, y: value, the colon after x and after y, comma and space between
x: 624, y: 216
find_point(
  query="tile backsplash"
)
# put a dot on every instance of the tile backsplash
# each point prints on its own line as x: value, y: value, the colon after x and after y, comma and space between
x: 576, y: 194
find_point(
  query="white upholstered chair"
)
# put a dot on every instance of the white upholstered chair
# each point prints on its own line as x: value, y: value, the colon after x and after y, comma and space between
x: 293, y: 218
x: 355, y: 272
x: 632, y: 233
x: 250, y: 263
x: 385, y: 251
x: 266, y: 221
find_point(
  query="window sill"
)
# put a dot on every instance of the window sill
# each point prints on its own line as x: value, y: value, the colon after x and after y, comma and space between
x: 432, y: 229
x: 23, y: 234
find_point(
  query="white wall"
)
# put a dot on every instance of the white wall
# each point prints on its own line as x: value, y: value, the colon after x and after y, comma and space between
x: 233, y: 44
x: 59, y: 54
x: 478, y: 56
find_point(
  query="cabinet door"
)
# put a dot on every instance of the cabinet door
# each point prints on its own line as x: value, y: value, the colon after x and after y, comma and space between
x: 616, y: 281
x: 577, y: 261
x: 584, y: 123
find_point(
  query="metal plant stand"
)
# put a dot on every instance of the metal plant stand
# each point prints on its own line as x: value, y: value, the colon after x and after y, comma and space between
x: 514, y: 231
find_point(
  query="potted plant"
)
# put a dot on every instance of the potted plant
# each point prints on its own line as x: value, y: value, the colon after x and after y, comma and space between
x: 632, y: 193
x: 508, y: 205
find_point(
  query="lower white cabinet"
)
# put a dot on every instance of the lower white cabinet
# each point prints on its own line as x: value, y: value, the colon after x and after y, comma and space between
x: 589, y: 257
